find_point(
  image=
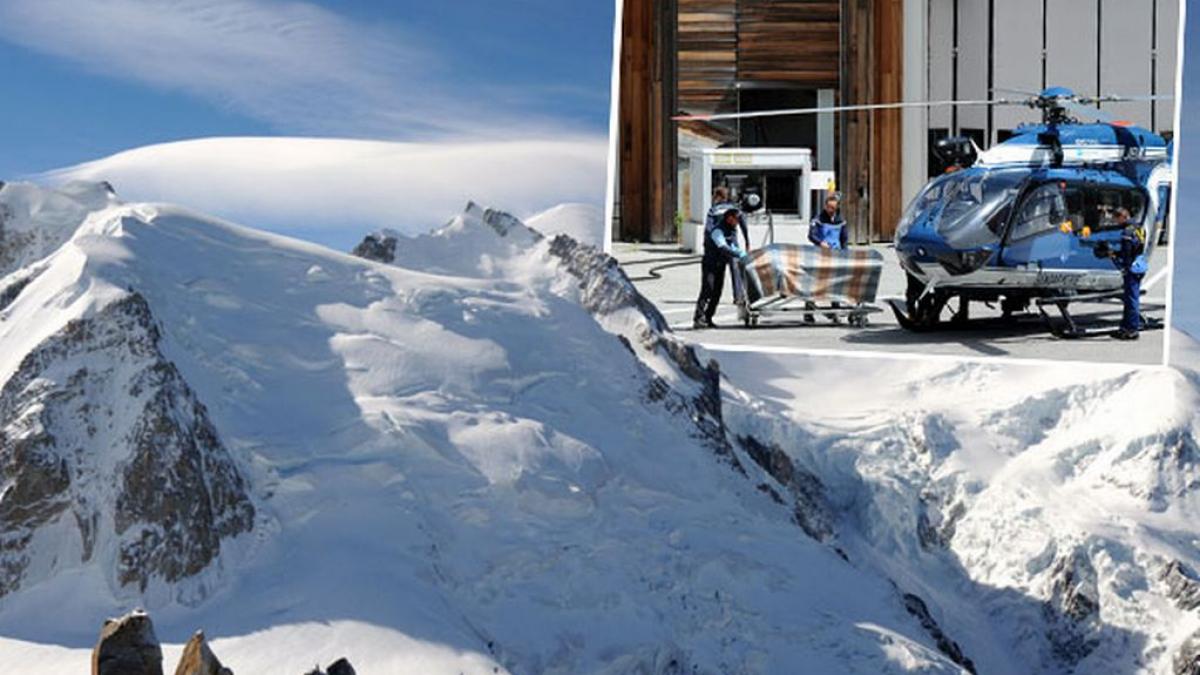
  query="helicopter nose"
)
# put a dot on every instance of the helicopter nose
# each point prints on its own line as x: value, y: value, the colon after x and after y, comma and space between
x: 920, y: 243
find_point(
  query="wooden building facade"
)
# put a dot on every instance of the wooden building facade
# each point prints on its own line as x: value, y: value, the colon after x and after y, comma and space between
x: 711, y: 56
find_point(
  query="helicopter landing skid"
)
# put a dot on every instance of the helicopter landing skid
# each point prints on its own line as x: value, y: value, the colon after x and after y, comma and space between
x: 902, y: 317
x: 1068, y: 329
x: 900, y: 309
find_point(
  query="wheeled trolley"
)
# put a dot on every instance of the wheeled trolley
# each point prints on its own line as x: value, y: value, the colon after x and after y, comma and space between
x: 817, y: 282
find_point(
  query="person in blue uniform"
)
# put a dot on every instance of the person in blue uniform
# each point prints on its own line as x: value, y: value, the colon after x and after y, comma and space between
x: 1130, y: 258
x: 828, y: 230
x: 721, y: 203
x: 720, y: 249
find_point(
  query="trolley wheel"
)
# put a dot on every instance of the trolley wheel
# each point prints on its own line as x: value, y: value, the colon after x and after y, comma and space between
x: 746, y: 319
x: 754, y: 320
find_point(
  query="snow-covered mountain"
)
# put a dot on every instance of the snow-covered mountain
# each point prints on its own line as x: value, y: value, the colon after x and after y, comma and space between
x: 1049, y: 513
x: 483, y: 451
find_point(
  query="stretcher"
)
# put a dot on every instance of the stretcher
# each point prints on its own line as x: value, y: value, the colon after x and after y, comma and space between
x: 816, y: 281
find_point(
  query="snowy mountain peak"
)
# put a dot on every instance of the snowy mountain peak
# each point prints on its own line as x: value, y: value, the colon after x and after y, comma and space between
x: 34, y: 222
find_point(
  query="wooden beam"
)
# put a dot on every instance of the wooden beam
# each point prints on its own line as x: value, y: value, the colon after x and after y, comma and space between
x: 854, y: 150
x: 647, y: 133
x: 886, y: 157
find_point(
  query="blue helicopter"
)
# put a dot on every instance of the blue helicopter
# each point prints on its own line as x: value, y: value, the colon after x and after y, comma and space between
x: 1028, y: 220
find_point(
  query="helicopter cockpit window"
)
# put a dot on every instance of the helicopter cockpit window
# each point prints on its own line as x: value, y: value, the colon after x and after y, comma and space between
x: 962, y: 207
x: 1048, y: 207
x: 972, y: 203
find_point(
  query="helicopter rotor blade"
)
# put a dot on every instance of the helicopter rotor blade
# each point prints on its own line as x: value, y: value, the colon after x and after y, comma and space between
x: 1022, y: 92
x: 1113, y: 98
x: 843, y: 108
x: 1089, y: 112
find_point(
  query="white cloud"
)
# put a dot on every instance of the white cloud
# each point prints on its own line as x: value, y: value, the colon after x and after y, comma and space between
x: 312, y: 184
x: 295, y: 65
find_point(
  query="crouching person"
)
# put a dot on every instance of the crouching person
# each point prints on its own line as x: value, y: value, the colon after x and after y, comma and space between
x: 720, y: 249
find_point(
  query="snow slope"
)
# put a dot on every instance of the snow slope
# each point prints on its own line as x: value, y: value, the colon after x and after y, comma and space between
x: 582, y: 222
x: 486, y: 461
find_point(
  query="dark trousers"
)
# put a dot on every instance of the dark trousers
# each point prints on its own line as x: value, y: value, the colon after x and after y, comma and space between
x: 1131, y: 296
x: 712, y: 282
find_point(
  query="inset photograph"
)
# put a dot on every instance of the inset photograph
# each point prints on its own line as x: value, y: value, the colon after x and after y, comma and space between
x: 977, y: 179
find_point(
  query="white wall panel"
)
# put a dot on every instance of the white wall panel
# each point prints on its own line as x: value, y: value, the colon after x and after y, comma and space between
x: 1168, y: 61
x: 1126, y: 29
x: 941, y: 63
x: 1017, y: 57
x: 972, y: 61
x: 1071, y: 44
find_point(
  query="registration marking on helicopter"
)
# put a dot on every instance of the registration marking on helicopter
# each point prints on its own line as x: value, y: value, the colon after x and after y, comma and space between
x: 1059, y: 279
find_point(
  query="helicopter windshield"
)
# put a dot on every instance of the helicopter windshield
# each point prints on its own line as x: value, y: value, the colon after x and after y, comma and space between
x: 966, y: 208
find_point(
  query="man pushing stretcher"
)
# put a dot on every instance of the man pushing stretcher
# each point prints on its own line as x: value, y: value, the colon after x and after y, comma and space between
x: 721, y: 250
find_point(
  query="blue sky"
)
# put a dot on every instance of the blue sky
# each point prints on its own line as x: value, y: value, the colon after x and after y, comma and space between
x: 84, y: 79
x: 1186, y: 296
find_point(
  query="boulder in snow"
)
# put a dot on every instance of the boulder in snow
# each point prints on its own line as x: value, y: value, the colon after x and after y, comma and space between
x: 127, y: 646
x: 379, y: 246
x: 339, y: 667
x: 198, y: 659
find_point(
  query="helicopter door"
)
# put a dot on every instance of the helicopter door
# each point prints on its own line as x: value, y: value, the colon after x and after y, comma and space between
x: 1060, y: 224
x: 1041, y: 235
x: 1162, y: 217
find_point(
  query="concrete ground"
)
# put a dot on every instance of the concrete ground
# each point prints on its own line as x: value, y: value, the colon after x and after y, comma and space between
x: 670, y: 278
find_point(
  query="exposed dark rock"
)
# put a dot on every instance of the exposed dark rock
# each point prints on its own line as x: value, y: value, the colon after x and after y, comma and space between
x: 935, y: 527
x: 933, y: 435
x: 810, y: 509
x: 605, y: 290
x: 1073, y: 610
x: 1182, y: 585
x: 198, y: 659
x: 13, y: 245
x: 384, y: 246
x: 127, y: 646
x: 506, y: 224
x: 10, y: 292
x: 916, y: 607
x: 1187, y: 659
x: 339, y: 667
x: 380, y: 247
x: 103, y: 381
x: 1073, y: 587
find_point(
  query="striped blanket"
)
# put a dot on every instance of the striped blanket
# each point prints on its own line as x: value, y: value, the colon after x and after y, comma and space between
x: 850, y: 276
